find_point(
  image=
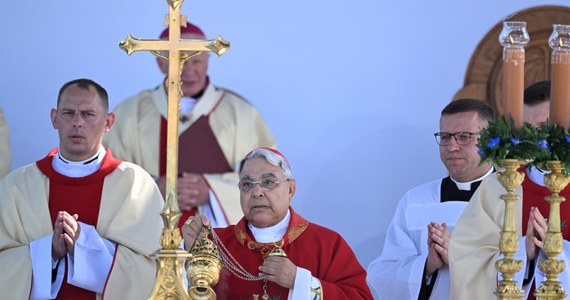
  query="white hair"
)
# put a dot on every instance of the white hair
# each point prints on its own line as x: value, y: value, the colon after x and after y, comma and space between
x: 272, y: 158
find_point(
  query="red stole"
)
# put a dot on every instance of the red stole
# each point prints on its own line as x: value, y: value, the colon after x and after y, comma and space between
x: 81, y: 196
x: 198, y: 152
x: 533, y: 195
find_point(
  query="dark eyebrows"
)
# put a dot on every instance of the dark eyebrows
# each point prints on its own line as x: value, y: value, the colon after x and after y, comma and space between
x: 65, y: 109
x: 246, y: 177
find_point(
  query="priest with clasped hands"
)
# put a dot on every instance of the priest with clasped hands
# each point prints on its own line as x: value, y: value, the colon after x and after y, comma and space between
x: 312, y: 261
x: 79, y: 224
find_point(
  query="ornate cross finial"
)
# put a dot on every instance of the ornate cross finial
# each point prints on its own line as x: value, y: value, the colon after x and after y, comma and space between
x: 169, y: 283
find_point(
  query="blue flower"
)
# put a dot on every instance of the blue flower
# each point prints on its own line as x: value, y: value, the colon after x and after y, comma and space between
x: 543, y: 145
x: 494, y: 142
x: 515, y: 141
x: 568, y: 138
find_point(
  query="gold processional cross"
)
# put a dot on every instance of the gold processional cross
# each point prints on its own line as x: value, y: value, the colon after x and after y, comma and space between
x: 169, y: 282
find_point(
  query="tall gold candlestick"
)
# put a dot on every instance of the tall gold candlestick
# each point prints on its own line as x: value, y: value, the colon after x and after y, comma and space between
x: 513, y: 37
x: 560, y: 90
x: 510, y: 179
x: 556, y: 181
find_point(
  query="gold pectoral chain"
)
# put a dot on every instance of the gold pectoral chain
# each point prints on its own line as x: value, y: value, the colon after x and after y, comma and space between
x: 231, y: 263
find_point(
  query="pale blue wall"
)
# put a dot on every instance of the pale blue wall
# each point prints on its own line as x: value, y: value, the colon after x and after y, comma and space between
x: 351, y: 89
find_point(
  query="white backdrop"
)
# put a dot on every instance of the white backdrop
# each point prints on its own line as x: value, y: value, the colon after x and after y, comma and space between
x: 351, y: 89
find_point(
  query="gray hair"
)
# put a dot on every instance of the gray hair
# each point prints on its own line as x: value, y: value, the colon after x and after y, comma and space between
x: 272, y: 156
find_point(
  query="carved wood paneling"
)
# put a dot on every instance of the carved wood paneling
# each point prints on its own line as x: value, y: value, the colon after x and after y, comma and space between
x: 483, y: 78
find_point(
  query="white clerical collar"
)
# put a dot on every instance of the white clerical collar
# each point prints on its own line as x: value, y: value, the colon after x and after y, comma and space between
x: 466, y: 186
x: 536, y: 175
x: 271, y: 234
x: 206, y: 104
x: 78, y: 168
x: 187, y: 105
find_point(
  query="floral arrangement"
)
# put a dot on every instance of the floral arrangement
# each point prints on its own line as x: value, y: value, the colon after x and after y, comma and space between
x: 501, y: 140
x: 558, y: 143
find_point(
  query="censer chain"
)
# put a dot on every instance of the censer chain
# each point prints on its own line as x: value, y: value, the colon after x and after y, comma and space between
x: 229, y: 261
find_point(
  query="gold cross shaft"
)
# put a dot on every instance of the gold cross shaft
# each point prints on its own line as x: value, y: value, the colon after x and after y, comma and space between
x: 169, y: 257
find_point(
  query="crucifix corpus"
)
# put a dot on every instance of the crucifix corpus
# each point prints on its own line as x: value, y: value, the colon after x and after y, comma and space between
x: 169, y: 283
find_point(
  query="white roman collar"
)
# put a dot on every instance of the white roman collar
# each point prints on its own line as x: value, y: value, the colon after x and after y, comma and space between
x: 78, y: 168
x: 466, y: 186
x: 187, y: 105
x: 200, y: 108
x: 271, y: 234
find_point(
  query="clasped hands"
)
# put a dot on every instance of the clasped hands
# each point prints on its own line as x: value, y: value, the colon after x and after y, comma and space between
x: 193, y: 190
x: 535, y: 232
x: 438, y: 244
x: 66, y: 230
x: 280, y: 270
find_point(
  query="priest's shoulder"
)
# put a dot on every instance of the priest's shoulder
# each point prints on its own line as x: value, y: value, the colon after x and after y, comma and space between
x: 21, y: 175
x: 232, y: 95
x: 322, y: 233
x: 132, y: 168
x: 491, y: 181
x: 145, y: 97
x: 425, y: 190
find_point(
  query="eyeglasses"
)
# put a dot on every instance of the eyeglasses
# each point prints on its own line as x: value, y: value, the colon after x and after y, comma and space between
x: 266, y: 184
x: 461, y: 138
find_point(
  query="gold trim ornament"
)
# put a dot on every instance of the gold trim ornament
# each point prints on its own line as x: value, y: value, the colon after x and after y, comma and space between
x: 277, y: 250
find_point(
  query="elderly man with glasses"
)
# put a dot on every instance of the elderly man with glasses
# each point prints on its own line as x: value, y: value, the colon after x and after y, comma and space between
x: 414, y: 261
x: 273, y: 252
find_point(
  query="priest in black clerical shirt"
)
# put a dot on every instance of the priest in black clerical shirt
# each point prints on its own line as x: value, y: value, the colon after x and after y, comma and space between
x: 414, y: 263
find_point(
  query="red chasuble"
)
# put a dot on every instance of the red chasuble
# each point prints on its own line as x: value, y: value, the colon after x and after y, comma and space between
x: 198, y: 152
x: 318, y: 249
x: 81, y: 196
x: 533, y: 196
